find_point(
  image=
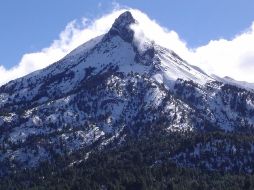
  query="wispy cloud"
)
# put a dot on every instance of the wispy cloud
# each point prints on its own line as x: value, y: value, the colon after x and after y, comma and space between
x: 75, y: 34
x: 234, y: 58
x: 99, y: 5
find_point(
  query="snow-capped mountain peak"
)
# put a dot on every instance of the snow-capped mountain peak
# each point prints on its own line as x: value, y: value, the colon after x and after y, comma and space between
x: 109, y: 88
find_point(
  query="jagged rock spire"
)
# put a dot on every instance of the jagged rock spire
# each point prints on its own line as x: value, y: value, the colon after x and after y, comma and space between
x: 122, y: 28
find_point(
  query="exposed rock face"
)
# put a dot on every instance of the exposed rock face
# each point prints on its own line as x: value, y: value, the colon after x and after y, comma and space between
x: 121, y: 27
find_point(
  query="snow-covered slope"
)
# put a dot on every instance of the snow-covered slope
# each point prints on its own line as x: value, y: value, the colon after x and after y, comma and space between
x: 240, y: 84
x: 109, y: 88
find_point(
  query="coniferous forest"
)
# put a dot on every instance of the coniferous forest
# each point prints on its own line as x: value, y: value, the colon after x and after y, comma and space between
x: 138, y: 163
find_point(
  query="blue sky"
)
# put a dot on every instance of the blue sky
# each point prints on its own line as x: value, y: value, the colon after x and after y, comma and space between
x: 31, y: 25
x: 28, y: 26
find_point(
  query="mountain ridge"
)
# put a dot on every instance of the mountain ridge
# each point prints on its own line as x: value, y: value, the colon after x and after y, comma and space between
x: 107, y: 90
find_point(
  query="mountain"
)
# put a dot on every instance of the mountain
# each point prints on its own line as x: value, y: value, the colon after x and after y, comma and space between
x: 111, y: 89
x: 240, y: 84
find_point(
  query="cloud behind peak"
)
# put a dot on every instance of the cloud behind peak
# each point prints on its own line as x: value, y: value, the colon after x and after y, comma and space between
x: 234, y: 58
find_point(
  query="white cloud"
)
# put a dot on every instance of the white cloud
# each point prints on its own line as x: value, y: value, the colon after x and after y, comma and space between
x: 75, y: 34
x: 234, y: 58
x: 150, y: 29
